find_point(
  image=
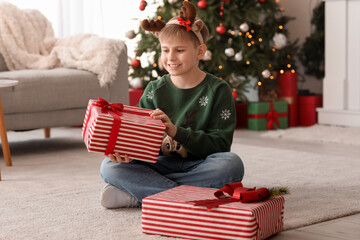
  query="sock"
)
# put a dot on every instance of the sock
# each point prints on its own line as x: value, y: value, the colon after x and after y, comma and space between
x: 112, y: 197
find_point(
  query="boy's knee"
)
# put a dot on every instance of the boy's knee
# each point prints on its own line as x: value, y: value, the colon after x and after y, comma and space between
x: 233, y: 166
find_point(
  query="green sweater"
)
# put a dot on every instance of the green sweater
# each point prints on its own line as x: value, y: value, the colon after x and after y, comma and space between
x: 204, y: 115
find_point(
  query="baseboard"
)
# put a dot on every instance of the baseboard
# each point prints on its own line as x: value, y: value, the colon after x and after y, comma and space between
x: 339, y: 117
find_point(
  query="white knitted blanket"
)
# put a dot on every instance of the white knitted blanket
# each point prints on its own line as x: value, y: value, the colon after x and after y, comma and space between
x: 27, y: 41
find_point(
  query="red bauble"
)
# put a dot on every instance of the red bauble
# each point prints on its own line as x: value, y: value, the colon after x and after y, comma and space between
x: 202, y: 4
x: 135, y: 63
x: 262, y: 1
x: 220, y: 29
x: 226, y: 0
x: 234, y: 94
x: 143, y: 4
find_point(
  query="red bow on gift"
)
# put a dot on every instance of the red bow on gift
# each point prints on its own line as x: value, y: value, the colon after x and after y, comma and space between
x: 106, y: 106
x: 114, y: 109
x: 237, y: 193
x: 272, y: 117
x: 186, y: 23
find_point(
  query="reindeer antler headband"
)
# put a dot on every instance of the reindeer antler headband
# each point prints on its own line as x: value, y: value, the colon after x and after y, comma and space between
x: 187, y: 18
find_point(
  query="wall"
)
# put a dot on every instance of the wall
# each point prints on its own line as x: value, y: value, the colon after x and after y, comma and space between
x: 341, y: 101
x: 300, y: 28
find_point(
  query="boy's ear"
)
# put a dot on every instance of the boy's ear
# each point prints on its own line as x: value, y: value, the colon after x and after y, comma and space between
x: 202, y: 50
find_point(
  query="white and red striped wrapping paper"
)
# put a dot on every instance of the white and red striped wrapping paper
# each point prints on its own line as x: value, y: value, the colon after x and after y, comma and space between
x: 170, y: 213
x: 139, y: 136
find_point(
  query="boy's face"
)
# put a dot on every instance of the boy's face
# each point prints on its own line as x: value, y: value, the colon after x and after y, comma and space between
x: 180, y: 56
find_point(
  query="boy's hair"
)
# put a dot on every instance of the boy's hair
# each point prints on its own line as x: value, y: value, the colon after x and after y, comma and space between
x: 180, y: 32
x: 185, y: 26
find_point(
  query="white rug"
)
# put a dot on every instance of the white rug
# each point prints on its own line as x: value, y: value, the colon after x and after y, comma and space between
x: 52, y: 191
x: 319, y: 134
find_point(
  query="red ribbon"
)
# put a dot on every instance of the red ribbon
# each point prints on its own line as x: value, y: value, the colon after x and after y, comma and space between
x: 237, y: 193
x: 186, y: 23
x: 115, y: 110
x: 107, y: 107
x: 272, y: 117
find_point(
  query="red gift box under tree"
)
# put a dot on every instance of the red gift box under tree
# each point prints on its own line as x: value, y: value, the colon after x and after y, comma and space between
x: 307, y: 109
x: 134, y: 96
x: 288, y: 91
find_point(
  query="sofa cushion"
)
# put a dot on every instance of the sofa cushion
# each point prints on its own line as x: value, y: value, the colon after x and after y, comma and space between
x: 50, y: 89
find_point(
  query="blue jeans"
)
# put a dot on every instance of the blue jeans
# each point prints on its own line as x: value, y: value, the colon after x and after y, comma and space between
x: 141, y: 179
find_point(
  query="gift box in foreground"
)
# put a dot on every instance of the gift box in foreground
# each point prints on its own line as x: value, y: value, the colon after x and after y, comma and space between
x: 172, y: 213
x: 267, y: 115
x: 110, y: 128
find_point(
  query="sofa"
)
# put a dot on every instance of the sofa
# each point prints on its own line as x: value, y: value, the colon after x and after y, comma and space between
x: 58, y: 97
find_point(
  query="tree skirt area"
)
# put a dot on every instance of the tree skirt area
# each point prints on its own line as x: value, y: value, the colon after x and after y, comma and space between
x: 319, y: 134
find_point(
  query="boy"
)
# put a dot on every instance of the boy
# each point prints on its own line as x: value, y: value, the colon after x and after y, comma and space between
x: 198, y: 111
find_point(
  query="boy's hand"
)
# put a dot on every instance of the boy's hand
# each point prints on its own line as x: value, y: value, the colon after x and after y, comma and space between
x: 117, y: 158
x: 171, y: 129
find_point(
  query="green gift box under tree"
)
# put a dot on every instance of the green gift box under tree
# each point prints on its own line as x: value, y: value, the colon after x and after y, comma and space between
x: 267, y: 115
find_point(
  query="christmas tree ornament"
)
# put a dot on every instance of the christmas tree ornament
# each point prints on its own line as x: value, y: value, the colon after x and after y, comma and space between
x: 202, y: 4
x: 221, y: 8
x: 136, y: 83
x: 262, y: 1
x: 130, y: 34
x: 220, y: 29
x: 207, y: 56
x: 266, y: 73
x: 143, y: 5
x: 238, y: 56
x: 229, y: 52
x: 135, y: 63
x: 234, y: 93
x: 280, y: 40
x: 154, y: 74
x: 244, y: 27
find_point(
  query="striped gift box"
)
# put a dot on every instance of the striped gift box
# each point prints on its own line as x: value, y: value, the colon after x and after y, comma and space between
x: 171, y: 213
x: 139, y: 135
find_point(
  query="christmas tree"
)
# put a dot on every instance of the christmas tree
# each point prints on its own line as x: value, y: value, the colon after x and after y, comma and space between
x: 312, y: 52
x: 248, y: 38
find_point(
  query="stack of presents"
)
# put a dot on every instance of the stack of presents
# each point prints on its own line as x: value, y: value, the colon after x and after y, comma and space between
x: 289, y: 109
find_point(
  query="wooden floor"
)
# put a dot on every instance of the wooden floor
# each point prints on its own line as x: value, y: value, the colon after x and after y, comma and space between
x: 346, y: 228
